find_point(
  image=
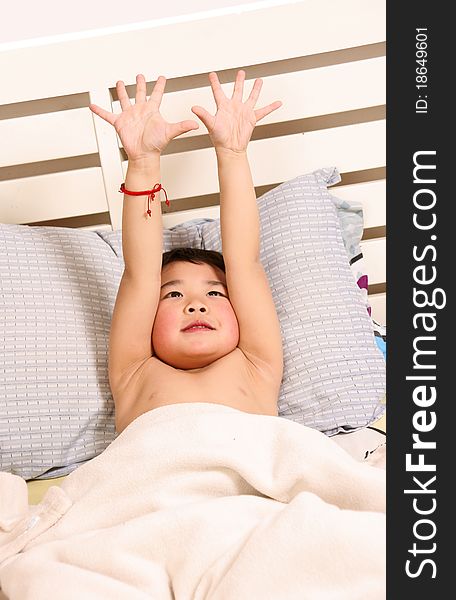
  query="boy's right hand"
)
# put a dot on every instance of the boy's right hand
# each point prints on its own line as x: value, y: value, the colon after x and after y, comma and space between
x: 140, y: 126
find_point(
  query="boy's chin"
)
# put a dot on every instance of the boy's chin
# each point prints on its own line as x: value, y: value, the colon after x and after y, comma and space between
x: 187, y: 363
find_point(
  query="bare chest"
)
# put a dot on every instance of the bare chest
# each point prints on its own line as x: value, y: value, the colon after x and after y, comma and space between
x: 231, y: 381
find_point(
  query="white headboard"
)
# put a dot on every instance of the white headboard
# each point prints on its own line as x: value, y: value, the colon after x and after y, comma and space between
x: 62, y: 166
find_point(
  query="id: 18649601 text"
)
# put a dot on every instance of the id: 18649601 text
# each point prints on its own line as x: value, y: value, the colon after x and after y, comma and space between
x: 421, y: 70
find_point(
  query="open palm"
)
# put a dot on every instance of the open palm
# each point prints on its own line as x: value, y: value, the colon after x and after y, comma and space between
x: 140, y: 126
x: 232, y: 125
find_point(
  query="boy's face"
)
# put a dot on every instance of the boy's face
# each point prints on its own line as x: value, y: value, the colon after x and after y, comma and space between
x: 191, y: 298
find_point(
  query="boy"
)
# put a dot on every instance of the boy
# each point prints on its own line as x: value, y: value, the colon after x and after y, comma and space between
x: 200, y: 328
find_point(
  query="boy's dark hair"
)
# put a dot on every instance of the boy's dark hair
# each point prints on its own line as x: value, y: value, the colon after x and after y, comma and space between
x: 196, y: 256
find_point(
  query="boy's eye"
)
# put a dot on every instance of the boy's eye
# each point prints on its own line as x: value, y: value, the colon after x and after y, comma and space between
x: 176, y: 294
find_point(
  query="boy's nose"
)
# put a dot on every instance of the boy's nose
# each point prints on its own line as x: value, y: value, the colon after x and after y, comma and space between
x: 195, y: 306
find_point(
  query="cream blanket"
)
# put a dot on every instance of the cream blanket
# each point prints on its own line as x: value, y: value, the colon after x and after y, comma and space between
x: 201, y: 501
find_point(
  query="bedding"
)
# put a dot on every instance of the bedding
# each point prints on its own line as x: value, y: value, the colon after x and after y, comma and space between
x: 202, y: 501
x: 380, y: 337
x: 57, y: 293
x: 334, y: 374
x: 359, y: 444
x: 350, y: 215
x: 58, y: 287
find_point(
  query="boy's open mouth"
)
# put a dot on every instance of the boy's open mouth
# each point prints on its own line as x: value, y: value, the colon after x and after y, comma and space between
x: 198, y: 326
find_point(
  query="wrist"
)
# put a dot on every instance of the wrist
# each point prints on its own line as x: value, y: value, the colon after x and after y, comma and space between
x: 229, y: 153
x: 145, y: 163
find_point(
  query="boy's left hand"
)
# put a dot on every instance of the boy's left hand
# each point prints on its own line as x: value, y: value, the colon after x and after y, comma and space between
x: 232, y: 125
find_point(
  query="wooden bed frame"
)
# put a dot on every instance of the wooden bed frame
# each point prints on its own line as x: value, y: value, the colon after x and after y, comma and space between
x: 62, y: 166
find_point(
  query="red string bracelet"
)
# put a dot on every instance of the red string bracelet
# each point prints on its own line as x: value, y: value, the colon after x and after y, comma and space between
x: 149, y: 193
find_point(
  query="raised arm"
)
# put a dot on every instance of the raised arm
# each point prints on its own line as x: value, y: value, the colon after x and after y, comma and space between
x: 230, y: 131
x: 144, y: 135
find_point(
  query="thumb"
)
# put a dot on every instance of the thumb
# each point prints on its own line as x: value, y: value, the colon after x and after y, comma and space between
x: 204, y: 115
x: 182, y: 127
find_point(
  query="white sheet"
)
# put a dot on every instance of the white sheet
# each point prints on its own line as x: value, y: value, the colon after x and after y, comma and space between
x: 202, y: 501
x: 360, y: 443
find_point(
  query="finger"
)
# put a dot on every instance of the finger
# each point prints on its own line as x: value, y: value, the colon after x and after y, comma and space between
x: 238, y: 86
x: 204, y: 115
x: 122, y: 95
x: 140, y: 89
x: 104, y: 114
x: 182, y: 127
x: 262, y: 112
x: 252, y: 99
x: 219, y: 95
x: 157, y: 92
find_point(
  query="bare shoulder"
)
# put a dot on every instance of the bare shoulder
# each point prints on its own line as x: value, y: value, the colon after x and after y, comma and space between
x: 233, y: 380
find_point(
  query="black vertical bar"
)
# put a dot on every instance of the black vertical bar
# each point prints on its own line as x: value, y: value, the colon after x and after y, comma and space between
x: 420, y: 245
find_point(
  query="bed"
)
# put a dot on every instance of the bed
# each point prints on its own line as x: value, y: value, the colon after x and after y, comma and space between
x: 61, y: 168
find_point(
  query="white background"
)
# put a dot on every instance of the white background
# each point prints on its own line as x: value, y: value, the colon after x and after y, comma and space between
x: 29, y: 19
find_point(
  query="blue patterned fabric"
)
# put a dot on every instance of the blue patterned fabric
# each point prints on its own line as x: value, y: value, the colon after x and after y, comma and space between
x: 380, y: 337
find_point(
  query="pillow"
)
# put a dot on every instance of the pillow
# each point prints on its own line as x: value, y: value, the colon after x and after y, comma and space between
x: 350, y: 214
x: 58, y: 288
x: 57, y: 292
x: 334, y: 374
